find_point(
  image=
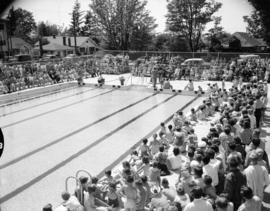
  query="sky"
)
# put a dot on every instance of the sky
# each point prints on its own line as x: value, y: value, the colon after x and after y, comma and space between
x: 58, y: 12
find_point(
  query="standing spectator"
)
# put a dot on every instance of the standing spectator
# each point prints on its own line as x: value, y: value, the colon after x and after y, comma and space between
x: 251, y: 202
x: 257, y: 175
x: 258, y: 110
x: 234, y: 181
x: 199, y: 203
x: 141, y: 196
x: 130, y: 194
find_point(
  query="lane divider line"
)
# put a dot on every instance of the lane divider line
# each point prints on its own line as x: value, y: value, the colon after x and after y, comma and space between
x: 73, y: 133
x: 39, y: 96
x: 47, y: 102
x: 128, y: 152
x: 53, y: 110
x: 79, y: 153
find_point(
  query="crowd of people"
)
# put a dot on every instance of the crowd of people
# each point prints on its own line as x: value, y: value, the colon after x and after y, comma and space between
x: 160, y: 68
x: 225, y: 170
x: 171, y: 68
x: 14, y: 77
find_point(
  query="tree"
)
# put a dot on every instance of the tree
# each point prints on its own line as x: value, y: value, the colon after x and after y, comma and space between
x: 123, y: 23
x: 76, y: 22
x: 235, y: 44
x: 90, y: 27
x: 188, y: 18
x: 45, y: 29
x: 170, y: 42
x: 254, y: 25
x: 214, y: 35
x: 262, y: 8
x: 21, y: 23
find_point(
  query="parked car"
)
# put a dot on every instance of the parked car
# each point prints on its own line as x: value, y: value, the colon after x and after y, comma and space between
x: 246, y: 57
x: 70, y: 56
x: 23, y: 57
x: 195, y: 62
x: 49, y: 56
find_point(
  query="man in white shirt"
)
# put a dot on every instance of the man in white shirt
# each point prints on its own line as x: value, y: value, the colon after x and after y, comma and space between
x: 210, y: 170
x: 252, y: 119
x: 175, y: 160
x: 257, y: 176
x: 199, y: 203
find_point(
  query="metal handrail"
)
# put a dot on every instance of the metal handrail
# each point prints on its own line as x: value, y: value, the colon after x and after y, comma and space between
x: 77, y: 173
x: 67, y: 179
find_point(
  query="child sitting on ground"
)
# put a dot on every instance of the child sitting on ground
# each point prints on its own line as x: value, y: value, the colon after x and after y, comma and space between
x: 193, y: 116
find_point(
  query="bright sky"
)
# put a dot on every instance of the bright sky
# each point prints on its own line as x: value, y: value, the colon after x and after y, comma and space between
x: 57, y: 11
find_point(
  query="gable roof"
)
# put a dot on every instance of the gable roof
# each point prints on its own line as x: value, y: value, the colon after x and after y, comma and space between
x: 54, y: 47
x: 81, y: 41
x: 18, y: 43
x: 247, y: 40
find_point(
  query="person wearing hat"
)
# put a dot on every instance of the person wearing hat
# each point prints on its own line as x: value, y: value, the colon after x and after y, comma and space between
x: 158, y: 201
x: 257, y: 175
x: 182, y: 197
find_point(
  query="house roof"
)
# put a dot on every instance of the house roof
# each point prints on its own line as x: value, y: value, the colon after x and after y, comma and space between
x: 54, y: 47
x: 247, y: 40
x: 81, y: 41
x: 18, y: 43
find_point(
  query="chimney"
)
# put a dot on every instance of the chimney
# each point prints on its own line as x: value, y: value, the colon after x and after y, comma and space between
x: 69, y: 42
x: 64, y: 41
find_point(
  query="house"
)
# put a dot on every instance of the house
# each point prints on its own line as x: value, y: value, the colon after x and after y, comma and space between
x: 64, y: 45
x: 12, y: 45
x: 20, y: 46
x: 249, y: 43
x: 3, y: 38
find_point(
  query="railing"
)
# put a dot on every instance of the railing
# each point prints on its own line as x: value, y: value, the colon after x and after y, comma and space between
x: 66, y: 182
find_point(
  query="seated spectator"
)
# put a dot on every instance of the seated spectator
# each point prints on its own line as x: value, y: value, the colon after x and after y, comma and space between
x: 193, y: 115
x: 167, y: 84
x: 175, y: 161
x: 182, y: 197
x: 168, y: 190
x: 158, y: 201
